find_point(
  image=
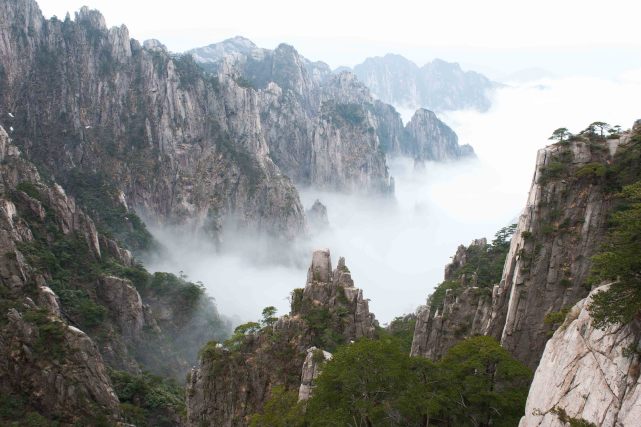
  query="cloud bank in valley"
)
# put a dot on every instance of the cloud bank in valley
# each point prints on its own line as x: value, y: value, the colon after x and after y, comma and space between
x: 396, y: 249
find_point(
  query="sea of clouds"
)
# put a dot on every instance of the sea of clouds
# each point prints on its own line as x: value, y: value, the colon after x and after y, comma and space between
x: 397, y: 249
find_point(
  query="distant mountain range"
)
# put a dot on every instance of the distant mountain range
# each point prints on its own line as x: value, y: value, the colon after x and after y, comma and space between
x: 393, y: 79
x: 436, y: 86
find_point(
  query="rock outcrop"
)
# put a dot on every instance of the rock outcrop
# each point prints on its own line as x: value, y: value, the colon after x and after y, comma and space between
x: 67, y: 315
x: 461, y: 306
x: 306, y: 115
x: 183, y: 147
x: 311, y: 370
x: 549, y: 258
x: 438, y: 85
x: 431, y: 139
x: 232, y: 381
x: 57, y: 366
x: 587, y: 374
x: 125, y: 304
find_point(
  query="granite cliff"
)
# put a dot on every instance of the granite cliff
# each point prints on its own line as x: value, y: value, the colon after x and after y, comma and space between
x: 549, y: 258
x: 181, y: 146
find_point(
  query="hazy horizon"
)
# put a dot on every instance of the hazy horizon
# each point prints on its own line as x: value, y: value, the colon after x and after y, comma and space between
x: 506, y: 42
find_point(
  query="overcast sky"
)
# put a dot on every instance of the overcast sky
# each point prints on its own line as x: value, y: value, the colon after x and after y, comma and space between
x: 495, y: 36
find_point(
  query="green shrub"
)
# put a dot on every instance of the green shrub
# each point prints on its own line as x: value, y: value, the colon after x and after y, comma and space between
x: 296, y: 300
x: 188, y: 70
x: 551, y: 171
x: 592, y: 170
x: 375, y: 382
x: 347, y: 114
x: 318, y: 356
x: 79, y: 306
x: 282, y: 409
x: 556, y: 318
x: 402, y: 328
x: 244, y: 82
x: 16, y: 411
x: 484, y: 262
x: 438, y: 296
x: 572, y: 421
x: 148, y: 400
x: 51, y: 334
x: 324, y: 328
x: 29, y: 188
x: 565, y: 282
x: 619, y: 261
x: 99, y: 197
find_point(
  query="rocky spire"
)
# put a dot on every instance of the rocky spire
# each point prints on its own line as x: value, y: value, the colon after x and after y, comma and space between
x: 233, y: 381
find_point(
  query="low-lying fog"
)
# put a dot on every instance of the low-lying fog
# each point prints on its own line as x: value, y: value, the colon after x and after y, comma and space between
x: 397, y: 249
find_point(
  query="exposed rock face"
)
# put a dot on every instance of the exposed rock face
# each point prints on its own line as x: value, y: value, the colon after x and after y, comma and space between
x: 183, y: 147
x: 549, y: 259
x: 55, y: 365
x: 462, y: 313
x: 587, y: 374
x: 53, y: 282
x: 62, y: 378
x: 229, y: 385
x: 298, y: 102
x: 232, y: 382
x: 311, y: 370
x: 431, y: 139
x: 438, y: 85
x: 262, y: 66
x: 323, y: 130
x: 125, y: 304
x: 334, y: 291
x: 550, y: 255
x: 462, y: 316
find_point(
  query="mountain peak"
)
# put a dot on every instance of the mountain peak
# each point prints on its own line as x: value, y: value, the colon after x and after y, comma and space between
x: 92, y: 17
